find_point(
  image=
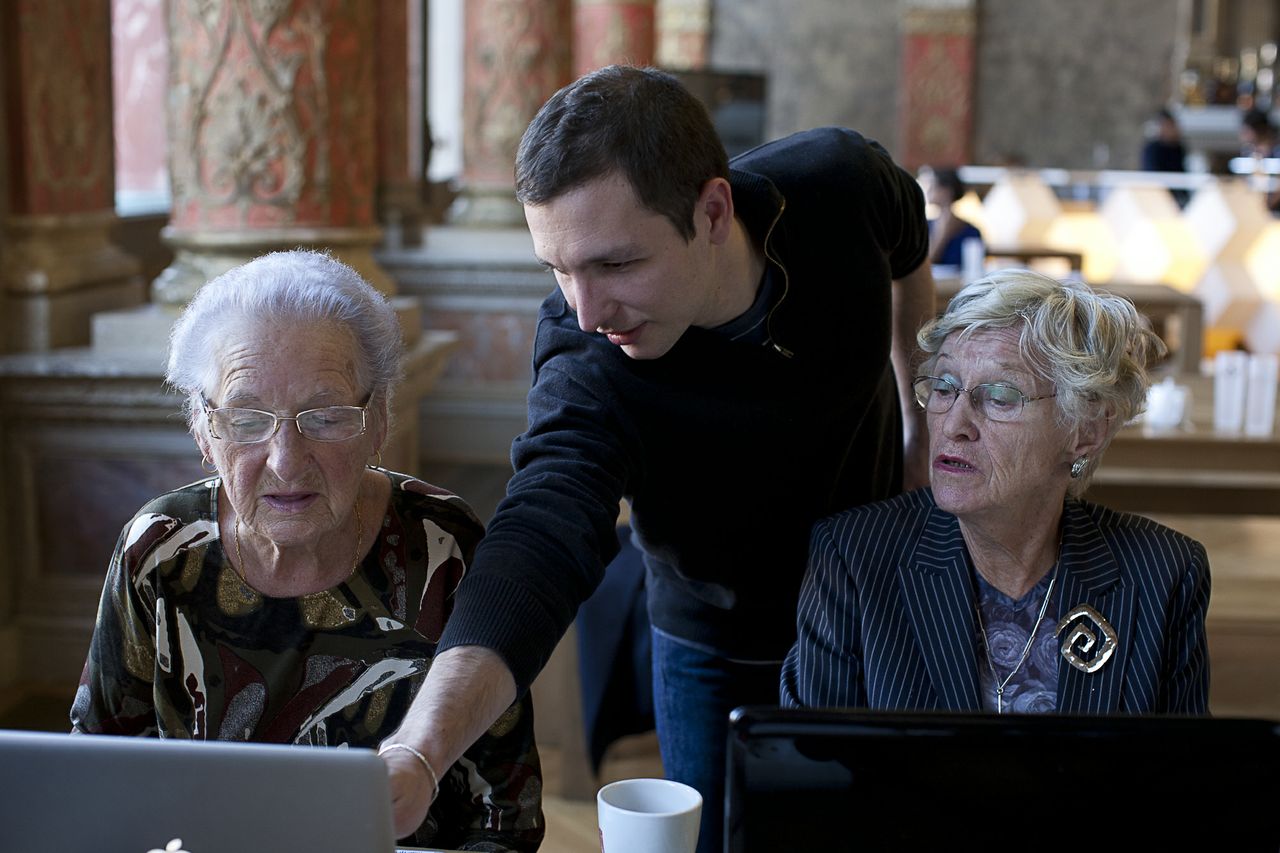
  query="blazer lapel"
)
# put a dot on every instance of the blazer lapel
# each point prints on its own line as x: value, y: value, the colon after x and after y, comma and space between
x: 937, y: 593
x: 1092, y: 581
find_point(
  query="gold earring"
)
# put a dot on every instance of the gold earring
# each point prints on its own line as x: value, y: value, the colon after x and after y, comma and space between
x: 377, y: 459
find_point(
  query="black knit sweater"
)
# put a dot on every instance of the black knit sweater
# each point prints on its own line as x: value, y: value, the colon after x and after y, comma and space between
x: 728, y: 451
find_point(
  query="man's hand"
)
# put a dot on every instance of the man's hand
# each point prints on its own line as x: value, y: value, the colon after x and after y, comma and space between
x: 465, y: 690
x: 412, y: 791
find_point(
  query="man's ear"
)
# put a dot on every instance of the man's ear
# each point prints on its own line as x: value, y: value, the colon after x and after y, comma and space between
x: 715, y: 202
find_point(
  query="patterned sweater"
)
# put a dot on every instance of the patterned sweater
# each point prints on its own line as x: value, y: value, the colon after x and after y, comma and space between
x: 183, y: 648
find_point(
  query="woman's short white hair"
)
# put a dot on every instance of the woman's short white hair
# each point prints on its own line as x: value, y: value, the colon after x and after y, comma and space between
x: 1094, y: 347
x: 301, y: 286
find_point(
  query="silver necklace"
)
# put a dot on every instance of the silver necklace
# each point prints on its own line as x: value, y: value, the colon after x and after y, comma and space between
x: 1026, y: 650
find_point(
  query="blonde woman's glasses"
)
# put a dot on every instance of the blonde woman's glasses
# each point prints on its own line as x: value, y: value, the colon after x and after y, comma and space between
x: 996, y: 401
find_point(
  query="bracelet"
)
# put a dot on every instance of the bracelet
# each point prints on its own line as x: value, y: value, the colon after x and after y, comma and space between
x: 431, y: 773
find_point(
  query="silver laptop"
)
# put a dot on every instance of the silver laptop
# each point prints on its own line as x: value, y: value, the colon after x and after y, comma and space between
x: 99, y: 794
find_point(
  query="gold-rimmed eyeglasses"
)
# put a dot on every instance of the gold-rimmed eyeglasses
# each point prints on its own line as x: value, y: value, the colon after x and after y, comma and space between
x: 996, y: 401
x: 250, y: 426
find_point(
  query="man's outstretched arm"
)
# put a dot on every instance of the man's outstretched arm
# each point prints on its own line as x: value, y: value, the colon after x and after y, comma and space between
x: 465, y: 691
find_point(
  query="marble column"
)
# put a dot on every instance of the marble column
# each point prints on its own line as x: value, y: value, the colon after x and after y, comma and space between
x: 273, y: 135
x: 60, y: 266
x: 938, y: 73
x: 517, y: 55
x: 612, y: 31
x: 684, y: 31
x: 399, y: 193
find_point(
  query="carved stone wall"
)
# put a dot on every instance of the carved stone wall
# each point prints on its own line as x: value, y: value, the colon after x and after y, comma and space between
x: 1070, y: 84
x: 1065, y: 84
x: 484, y: 285
x: 827, y: 61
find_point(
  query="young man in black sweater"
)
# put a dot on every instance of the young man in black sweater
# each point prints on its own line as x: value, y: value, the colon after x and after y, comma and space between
x: 728, y: 350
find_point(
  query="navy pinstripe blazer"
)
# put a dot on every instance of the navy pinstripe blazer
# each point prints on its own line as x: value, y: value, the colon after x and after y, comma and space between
x: 886, y: 613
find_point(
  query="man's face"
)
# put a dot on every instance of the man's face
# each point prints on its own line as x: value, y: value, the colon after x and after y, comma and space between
x: 625, y: 270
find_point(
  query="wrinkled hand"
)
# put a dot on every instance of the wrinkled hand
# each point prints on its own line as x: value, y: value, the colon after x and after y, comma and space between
x: 411, y: 791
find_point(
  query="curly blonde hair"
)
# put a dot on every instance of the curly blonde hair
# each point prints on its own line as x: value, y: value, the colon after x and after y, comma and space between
x: 1094, y: 347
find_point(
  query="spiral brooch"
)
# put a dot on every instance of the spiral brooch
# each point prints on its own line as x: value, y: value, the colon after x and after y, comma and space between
x: 1084, y: 638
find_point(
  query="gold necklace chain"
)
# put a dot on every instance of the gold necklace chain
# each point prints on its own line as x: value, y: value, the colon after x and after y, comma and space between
x: 355, y: 560
x: 1026, y: 650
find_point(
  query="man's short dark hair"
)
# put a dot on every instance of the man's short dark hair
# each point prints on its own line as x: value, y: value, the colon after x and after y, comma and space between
x: 638, y: 122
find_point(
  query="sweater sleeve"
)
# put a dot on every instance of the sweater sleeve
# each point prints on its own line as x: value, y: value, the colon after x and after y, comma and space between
x: 894, y: 206
x: 546, y: 548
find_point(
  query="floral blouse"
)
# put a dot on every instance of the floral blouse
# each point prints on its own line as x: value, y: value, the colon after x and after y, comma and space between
x: 184, y: 648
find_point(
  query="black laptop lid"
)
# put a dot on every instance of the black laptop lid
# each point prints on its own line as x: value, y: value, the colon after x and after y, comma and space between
x: 857, y: 780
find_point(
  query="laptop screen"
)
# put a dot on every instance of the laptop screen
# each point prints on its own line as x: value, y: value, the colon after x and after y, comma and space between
x: 846, y: 779
x: 102, y: 794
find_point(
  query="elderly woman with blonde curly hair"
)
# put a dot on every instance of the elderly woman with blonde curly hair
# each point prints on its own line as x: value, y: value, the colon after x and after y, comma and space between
x: 998, y: 588
x: 298, y: 593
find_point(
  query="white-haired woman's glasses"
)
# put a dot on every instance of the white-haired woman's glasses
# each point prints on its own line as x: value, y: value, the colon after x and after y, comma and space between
x: 249, y: 426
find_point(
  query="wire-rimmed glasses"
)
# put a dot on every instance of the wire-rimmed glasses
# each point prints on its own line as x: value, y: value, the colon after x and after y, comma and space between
x: 996, y: 400
x: 250, y: 426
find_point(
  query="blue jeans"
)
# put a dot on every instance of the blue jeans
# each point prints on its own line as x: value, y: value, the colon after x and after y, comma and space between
x: 694, y: 689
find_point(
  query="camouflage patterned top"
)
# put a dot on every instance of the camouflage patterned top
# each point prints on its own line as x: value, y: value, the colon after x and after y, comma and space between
x: 183, y: 648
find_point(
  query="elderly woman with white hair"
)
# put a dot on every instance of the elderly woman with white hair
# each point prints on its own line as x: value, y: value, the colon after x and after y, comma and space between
x: 297, y: 594
x: 998, y: 588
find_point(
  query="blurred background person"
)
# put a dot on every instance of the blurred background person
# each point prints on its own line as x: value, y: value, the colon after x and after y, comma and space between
x: 1257, y: 135
x: 1259, y: 139
x: 1163, y: 151
x: 947, y: 231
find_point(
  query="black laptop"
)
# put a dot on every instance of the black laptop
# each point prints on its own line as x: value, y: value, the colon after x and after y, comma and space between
x: 855, y: 780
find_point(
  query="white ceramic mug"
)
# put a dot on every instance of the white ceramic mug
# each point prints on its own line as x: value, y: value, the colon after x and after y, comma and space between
x: 648, y: 816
